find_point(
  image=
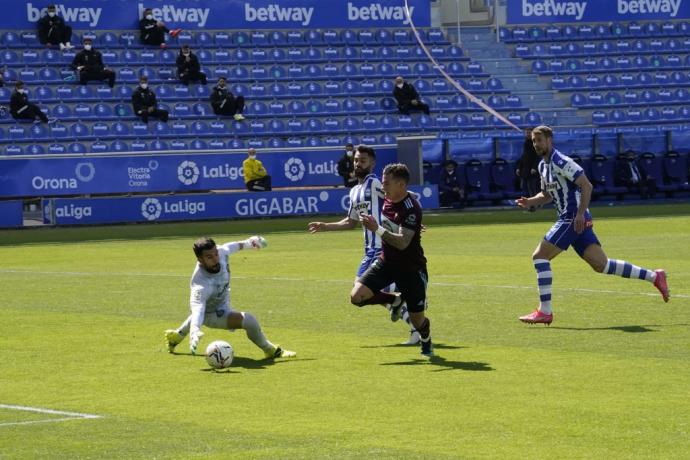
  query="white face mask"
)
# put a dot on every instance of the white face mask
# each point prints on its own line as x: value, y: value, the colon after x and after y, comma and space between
x: 400, y: 85
x: 252, y: 157
x: 149, y: 16
x: 349, y: 153
x: 87, y: 47
x: 185, y: 54
x: 144, y: 85
x: 21, y: 91
x: 51, y: 14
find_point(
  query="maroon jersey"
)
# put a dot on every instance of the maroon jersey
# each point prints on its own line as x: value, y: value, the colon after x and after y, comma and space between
x: 406, y: 213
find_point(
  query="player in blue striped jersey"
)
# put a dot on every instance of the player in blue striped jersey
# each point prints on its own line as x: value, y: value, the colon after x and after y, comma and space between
x: 366, y: 198
x: 564, y: 182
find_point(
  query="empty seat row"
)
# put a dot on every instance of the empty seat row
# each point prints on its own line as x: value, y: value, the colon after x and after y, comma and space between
x: 11, y: 57
x: 243, y: 38
x: 590, y: 31
x: 637, y: 115
x: 623, y: 80
x: 647, y: 97
x: 604, y: 48
x: 608, y: 64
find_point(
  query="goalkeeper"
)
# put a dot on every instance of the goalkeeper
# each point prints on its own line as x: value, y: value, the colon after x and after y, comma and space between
x: 210, y: 299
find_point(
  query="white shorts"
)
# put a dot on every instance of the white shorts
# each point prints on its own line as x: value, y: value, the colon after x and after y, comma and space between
x: 217, y: 319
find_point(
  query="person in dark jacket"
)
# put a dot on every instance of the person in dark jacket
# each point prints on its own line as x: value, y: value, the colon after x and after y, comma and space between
x: 153, y: 31
x: 22, y: 109
x: 52, y: 30
x: 144, y: 102
x: 188, y: 67
x: 407, y: 97
x: 527, y: 167
x: 88, y: 63
x: 346, y: 166
x: 450, y: 188
x: 225, y: 103
x: 630, y: 174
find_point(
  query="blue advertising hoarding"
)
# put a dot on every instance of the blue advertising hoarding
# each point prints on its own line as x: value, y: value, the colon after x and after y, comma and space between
x: 555, y: 11
x: 221, y: 14
x: 76, y: 211
x: 11, y: 214
x: 168, y: 173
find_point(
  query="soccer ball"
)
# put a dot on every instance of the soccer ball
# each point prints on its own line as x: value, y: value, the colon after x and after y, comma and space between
x: 219, y: 354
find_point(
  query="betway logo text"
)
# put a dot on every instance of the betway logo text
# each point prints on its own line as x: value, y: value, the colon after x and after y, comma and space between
x: 649, y: 6
x: 377, y: 12
x: 554, y: 8
x: 88, y: 16
x: 170, y: 13
x: 277, y: 13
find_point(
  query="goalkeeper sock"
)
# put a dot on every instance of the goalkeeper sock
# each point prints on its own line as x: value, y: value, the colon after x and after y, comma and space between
x: 183, y: 330
x: 251, y: 326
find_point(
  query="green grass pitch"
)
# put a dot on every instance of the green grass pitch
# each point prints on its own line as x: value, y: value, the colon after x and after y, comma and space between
x: 83, y: 310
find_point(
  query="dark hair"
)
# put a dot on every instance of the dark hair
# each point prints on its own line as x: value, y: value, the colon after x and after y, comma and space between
x: 143, y: 78
x: 203, y: 244
x: 185, y: 46
x: 51, y: 6
x: 87, y: 39
x: 349, y: 144
x: 544, y: 131
x: 18, y: 83
x: 361, y: 148
x: 397, y: 171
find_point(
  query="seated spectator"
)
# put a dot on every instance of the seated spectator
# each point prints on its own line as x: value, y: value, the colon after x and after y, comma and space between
x: 346, y: 166
x: 144, y: 102
x: 255, y: 176
x: 2, y: 80
x: 52, y: 30
x: 451, y: 190
x: 152, y: 31
x: 407, y: 97
x: 224, y: 102
x: 88, y: 63
x: 629, y: 174
x: 188, y: 67
x: 22, y: 109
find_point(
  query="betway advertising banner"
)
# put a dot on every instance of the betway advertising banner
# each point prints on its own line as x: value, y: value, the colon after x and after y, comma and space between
x: 553, y: 11
x: 65, y: 211
x: 221, y: 14
x: 168, y: 173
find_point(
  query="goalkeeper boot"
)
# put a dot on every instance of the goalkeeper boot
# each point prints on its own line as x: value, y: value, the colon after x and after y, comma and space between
x: 396, y: 308
x: 277, y: 352
x: 172, y: 339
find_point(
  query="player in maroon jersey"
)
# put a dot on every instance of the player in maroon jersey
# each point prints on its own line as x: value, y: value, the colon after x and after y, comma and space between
x: 402, y: 261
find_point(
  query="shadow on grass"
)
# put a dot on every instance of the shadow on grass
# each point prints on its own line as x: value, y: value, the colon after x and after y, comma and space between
x: 444, y: 364
x: 631, y: 329
x: 437, y: 346
x: 246, y: 363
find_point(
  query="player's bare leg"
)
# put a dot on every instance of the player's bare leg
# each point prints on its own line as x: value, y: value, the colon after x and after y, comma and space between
x: 541, y: 258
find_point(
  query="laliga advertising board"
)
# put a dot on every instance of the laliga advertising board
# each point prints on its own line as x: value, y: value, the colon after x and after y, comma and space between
x: 554, y: 11
x: 220, y: 14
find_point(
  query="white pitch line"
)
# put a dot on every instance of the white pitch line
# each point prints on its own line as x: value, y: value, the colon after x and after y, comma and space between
x: 292, y: 279
x: 70, y: 415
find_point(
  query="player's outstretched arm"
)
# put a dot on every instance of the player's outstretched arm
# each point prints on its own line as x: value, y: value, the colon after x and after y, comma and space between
x: 344, y: 224
x: 253, y: 242
x: 537, y: 200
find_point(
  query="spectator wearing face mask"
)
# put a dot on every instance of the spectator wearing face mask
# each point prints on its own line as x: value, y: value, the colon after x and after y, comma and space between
x: 144, y: 102
x: 224, y: 102
x: 22, y: 109
x: 53, y: 31
x: 255, y: 176
x: 88, y: 63
x: 188, y: 67
x: 407, y: 97
x: 450, y: 187
x: 346, y: 166
x: 153, y: 31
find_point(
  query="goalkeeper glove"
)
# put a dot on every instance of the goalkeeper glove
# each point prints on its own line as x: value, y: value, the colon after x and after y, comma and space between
x: 255, y: 242
x: 194, y: 339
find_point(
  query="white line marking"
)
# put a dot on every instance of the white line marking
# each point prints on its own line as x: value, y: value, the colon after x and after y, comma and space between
x: 291, y: 279
x: 70, y: 415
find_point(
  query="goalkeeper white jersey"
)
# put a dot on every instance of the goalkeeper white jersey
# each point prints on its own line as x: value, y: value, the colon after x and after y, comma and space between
x: 210, y: 292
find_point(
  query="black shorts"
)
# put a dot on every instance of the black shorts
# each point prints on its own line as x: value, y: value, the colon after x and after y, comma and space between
x: 410, y: 283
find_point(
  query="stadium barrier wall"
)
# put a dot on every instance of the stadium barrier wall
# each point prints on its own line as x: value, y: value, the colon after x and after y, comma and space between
x: 56, y: 176
x: 221, y: 14
x: 11, y: 214
x: 574, y: 11
x: 107, y: 210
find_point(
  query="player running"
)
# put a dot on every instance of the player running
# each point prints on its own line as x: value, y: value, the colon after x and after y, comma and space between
x: 210, y: 299
x: 402, y: 259
x: 564, y: 182
x: 367, y: 198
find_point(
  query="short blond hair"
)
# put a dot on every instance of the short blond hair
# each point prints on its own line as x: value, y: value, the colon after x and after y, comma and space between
x: 544, y: 131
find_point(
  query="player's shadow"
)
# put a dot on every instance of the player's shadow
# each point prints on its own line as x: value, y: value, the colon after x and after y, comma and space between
x: 444, y: 364
x: 631, y: 329
x: 246, y: 363
x: 437, y: 346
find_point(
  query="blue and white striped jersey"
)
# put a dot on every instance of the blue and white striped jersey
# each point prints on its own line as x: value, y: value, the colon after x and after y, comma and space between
x: 367, y: 198
x: 558, y: 178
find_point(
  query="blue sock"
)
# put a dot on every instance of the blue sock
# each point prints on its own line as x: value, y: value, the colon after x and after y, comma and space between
x: 544, y: 281
x: 628, y: 270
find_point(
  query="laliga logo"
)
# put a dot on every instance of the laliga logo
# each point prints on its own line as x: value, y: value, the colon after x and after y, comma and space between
x: 294, y: 169
x: 151, y: 209
x: 187, y: 172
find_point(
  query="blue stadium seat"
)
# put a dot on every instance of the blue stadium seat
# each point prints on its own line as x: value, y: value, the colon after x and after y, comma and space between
x: 296, y: 37
x: 39, y: 132
x: 277, y: 108
x: 258, y: 126
x: 100, y: 130
x: 240, y: 38
x: 158, y: 145
x: 676, y: 171
x: 222, y: 56
x: 669, y: 113
x: 652, y: 165
x: 513, y: 101
x: 651, y: 114
x: 119, y: 146
x: 140, y: 129
x: 13, y: 149
x: 200, y: 128
x: 61, y: 111
x: 180, y: 128
x: 139, y: 146
x: 618, y: 116
x: 17, y: 132
x: 331, y: 37
x: 198, y: 144
x: 11, y: 40
x: 222, y: 39
x: 219, y: 128
x: 35, y: 149
x: 128, y: 39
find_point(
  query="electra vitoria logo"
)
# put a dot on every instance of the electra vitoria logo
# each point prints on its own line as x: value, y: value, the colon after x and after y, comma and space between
x: 83, y: 172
